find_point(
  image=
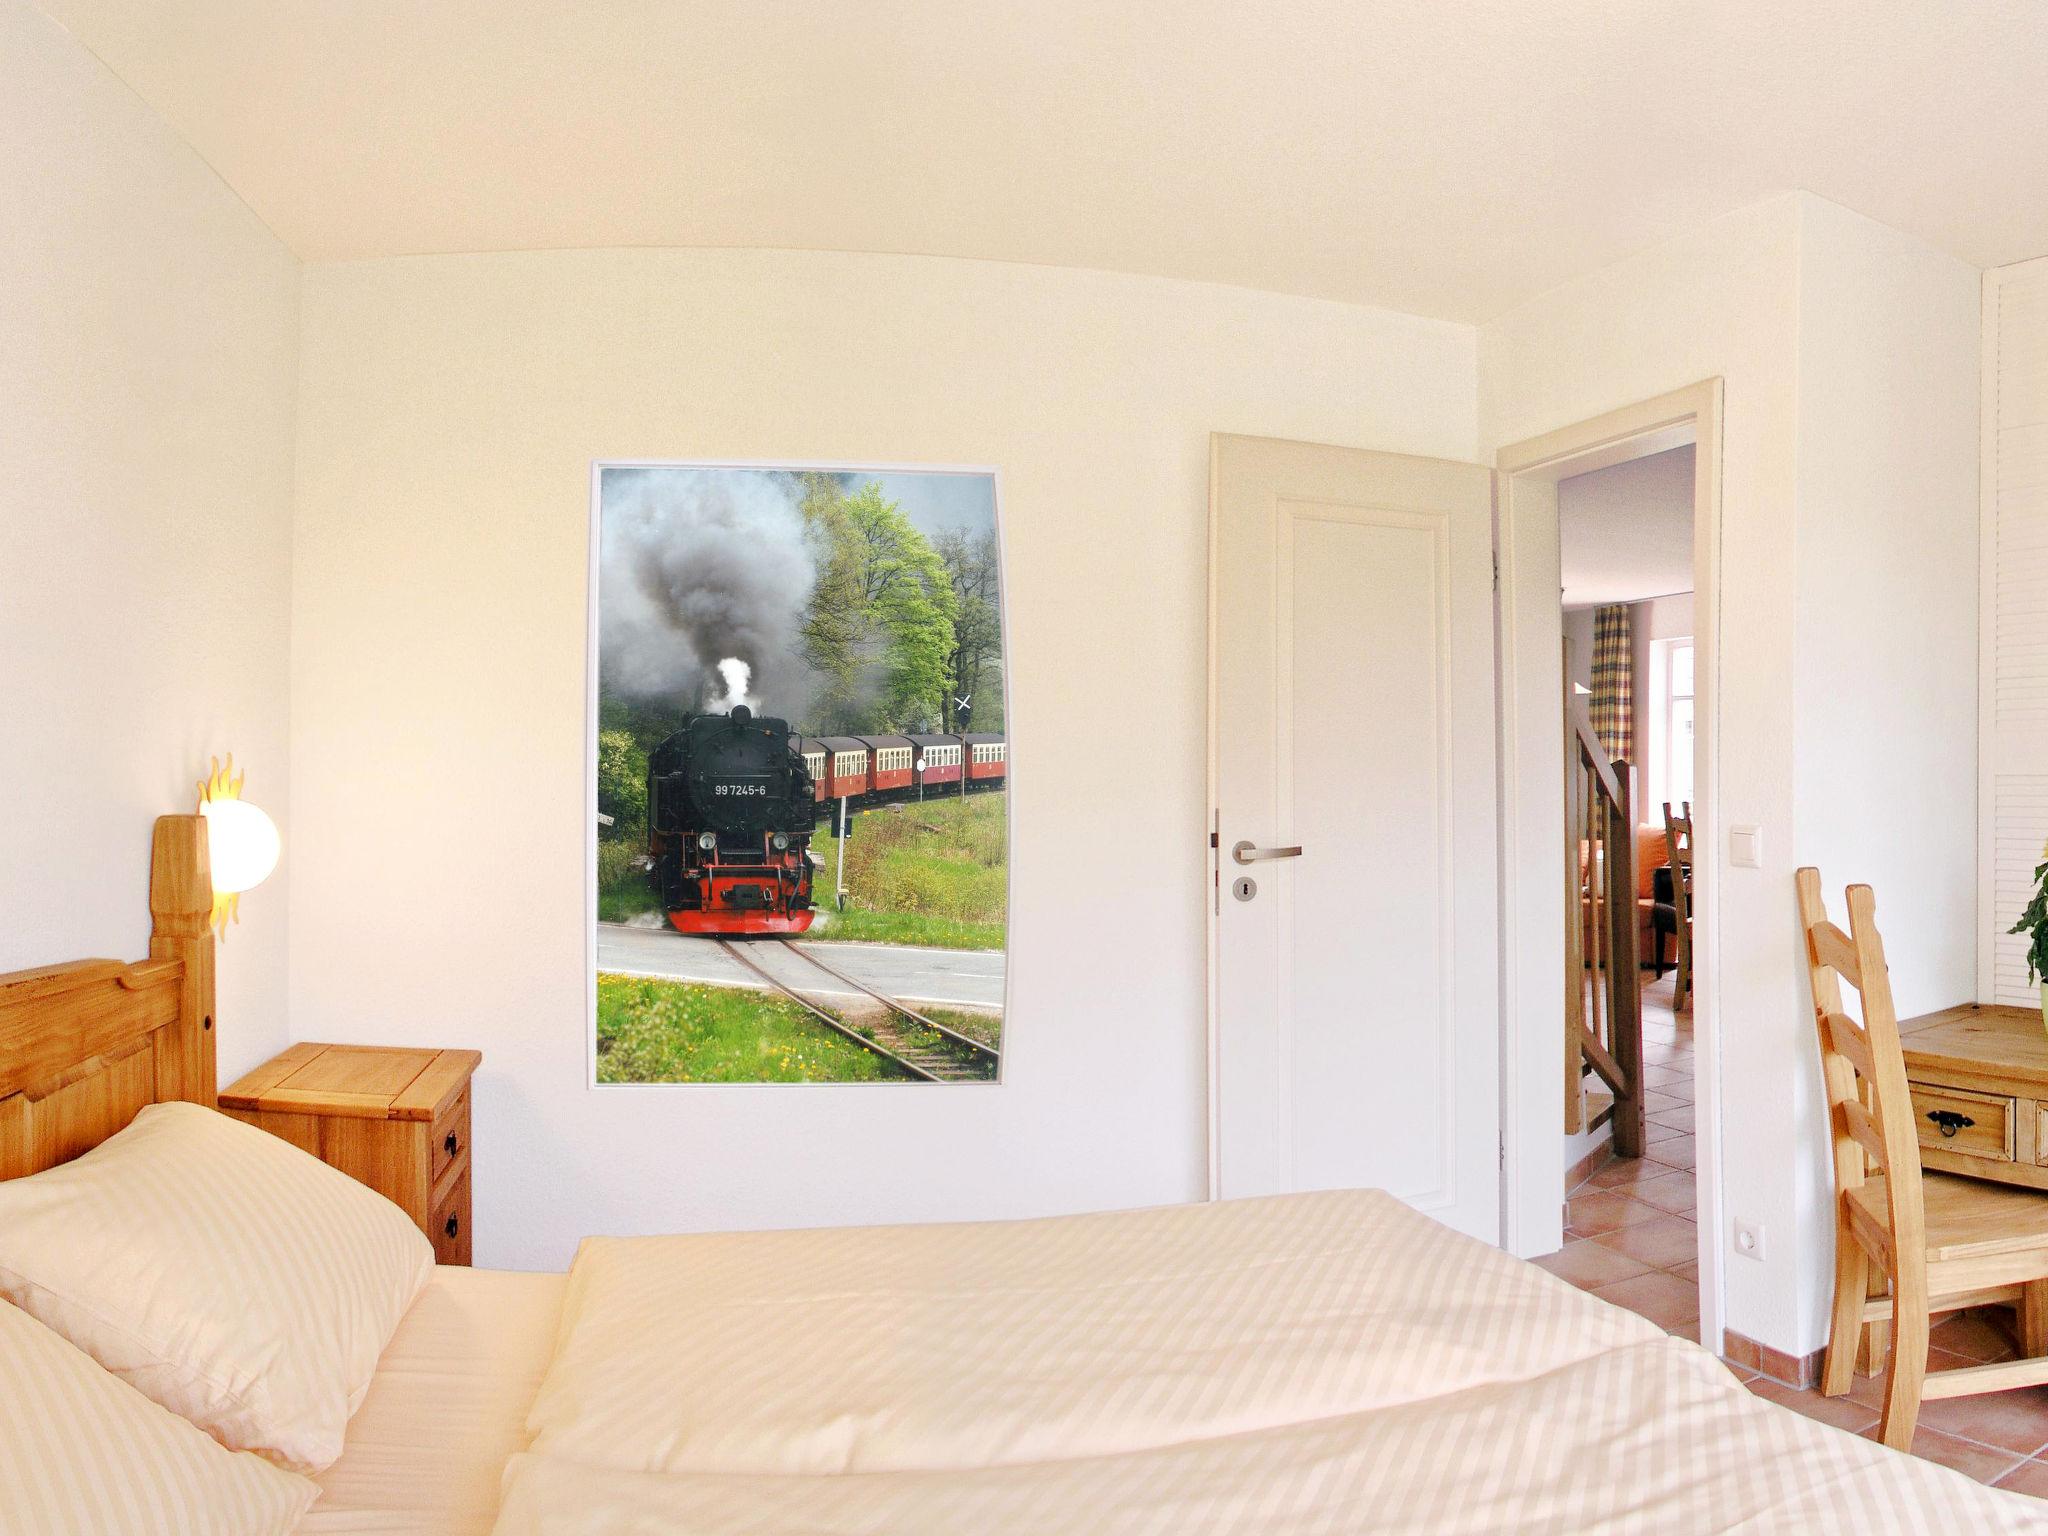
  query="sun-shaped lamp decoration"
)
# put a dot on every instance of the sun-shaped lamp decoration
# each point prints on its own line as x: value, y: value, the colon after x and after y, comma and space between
x: 242, y: 843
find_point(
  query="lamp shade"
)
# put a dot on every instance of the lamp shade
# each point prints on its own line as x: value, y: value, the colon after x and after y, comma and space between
x: 242, y: 844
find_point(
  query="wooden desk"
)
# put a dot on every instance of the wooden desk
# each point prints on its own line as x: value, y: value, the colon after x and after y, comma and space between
x: 1979, y: 1077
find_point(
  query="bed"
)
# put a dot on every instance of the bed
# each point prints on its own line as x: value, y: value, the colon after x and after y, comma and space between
x: 427, y: 1451
x: 1316, y: 1363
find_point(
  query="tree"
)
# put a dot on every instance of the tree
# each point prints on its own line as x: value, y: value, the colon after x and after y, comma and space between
x: 910, y: 603
x: 974, y: 659
x: 879, y: 627
x: 621, y: 785
x: 835, y: 621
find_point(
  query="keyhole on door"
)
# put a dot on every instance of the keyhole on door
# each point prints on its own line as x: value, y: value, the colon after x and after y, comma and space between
x: 1244, y: 887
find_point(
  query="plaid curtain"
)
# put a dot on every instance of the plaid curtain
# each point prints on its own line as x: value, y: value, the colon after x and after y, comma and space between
x: 1611, y: 707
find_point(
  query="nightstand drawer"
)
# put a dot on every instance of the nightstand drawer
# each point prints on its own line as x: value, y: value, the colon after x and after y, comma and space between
x: 1968, y: 1124
x: 449, y: 1225
x: 450, y: 1137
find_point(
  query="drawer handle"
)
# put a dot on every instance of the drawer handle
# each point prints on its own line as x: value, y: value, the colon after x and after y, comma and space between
x: 1949, y: 1121
x: 452, y: 1145
x: 453, y: 1226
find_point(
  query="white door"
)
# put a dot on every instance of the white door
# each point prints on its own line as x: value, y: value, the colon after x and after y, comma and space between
x: 1356, y: 983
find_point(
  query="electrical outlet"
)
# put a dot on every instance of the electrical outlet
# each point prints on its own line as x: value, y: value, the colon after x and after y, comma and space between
x: 1749, y: 1239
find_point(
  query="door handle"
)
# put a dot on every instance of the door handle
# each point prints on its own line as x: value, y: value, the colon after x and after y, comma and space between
x: 1245, y: 853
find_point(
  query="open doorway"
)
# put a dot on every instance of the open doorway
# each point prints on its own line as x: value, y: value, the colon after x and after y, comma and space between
x: 1625, y: 556
x: 1608, y: 531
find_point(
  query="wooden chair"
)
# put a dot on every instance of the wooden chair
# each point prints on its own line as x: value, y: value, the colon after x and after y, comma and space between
x: 1678, y: 853
x: 1939, y: 1242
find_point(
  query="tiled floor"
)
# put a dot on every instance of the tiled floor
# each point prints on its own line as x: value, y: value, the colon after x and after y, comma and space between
x: 1630, y: 1238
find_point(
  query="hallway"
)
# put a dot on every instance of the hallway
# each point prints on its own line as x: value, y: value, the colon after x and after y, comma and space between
x: 1630, y: 1236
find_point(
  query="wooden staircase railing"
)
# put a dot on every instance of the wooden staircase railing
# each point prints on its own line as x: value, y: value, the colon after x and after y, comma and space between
x: 1603, y: 1013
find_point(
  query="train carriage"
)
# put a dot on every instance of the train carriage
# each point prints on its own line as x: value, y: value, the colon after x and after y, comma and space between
x: 987, y: 760
x: 816, y: 756
x: 940, y: 757
x: 891, y: 758
x: 847, y: 772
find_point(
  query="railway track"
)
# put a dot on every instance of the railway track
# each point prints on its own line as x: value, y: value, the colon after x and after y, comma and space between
x: 895, y: 1033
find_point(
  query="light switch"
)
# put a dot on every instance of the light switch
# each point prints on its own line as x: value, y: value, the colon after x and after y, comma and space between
x: 1746, y: 847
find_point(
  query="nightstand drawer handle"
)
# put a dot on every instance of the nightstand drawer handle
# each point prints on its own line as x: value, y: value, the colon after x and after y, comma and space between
x: 1949, y: 1121
x: 452, y: 1145
x: 454, y: 1225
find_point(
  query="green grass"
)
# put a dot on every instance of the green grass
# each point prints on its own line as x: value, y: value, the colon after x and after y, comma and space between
x: 624, y: 889
x: 651, y: 1031
x: 624, y: 906
x: 934, y: 873
x: 858, y: 925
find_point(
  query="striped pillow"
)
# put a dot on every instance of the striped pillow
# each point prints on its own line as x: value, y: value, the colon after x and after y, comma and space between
x: 222, y: 1272
x: 82, y: 1453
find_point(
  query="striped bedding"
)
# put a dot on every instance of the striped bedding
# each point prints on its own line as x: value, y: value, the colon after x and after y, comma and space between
x: 1328, y: 1363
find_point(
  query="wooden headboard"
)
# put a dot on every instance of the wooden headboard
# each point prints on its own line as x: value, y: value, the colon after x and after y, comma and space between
x: 86, y: 1044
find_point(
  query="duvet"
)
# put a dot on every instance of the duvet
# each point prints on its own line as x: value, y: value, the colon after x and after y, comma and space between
x: 1313, y: 1363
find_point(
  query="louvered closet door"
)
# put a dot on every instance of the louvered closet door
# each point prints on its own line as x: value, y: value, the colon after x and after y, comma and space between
x: 2014, y: 702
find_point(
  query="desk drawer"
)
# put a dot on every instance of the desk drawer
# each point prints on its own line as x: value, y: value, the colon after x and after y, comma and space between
x: 1978, y: 1124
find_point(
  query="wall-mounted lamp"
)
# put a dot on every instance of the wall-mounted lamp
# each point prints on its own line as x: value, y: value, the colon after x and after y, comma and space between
x: 242, y: 842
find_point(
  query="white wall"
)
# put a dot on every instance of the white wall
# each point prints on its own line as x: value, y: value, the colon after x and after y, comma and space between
x: 449, y: 411
x: 146, y: 384
x: 1841, y: 344
x: 1885, y: 646
x: 1625, y: 532
x: 1578, y: 647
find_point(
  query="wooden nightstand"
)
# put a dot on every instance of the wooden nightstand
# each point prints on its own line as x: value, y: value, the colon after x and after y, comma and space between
x: 395, y: 1119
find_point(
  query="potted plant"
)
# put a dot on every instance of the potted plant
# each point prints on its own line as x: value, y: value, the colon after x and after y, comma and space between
x: 2034, y: 924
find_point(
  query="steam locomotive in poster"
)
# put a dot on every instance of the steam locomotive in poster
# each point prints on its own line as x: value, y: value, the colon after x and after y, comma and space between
x: 732, y: 801
x: 729, y: 814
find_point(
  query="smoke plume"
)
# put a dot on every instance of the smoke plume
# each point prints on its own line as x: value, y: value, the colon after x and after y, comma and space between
x: 736, y: 673
x: 704, y: 580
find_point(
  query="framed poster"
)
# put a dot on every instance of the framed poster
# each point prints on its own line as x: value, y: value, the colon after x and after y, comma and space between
x: 800, y: 774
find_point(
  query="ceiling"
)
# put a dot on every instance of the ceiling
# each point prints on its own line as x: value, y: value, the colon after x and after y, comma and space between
x: 1624, y: 533
x: 1447, y: 160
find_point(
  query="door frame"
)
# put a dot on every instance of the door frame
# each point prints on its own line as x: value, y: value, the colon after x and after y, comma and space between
x: 1532, y: 852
